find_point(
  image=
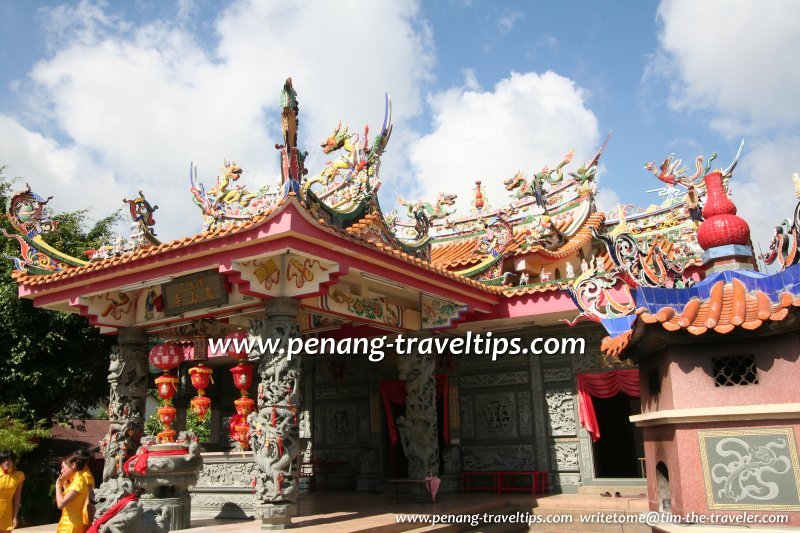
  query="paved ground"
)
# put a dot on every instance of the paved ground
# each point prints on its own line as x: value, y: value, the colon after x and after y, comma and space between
x: 367, y: 512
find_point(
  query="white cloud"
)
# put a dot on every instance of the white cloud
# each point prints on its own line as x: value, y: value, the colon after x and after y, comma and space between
x: 732, y: 61
x: 507, y: 20
x: 136, y: 104
x: 733, y: 58
x: 526, y: 122
x: 606, y: 200
x: 762, y: 186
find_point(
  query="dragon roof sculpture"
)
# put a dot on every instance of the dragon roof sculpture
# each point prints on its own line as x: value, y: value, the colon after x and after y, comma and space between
x: 26, y: 211
x: 547, y: 235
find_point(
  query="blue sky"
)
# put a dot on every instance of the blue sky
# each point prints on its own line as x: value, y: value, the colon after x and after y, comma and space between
x: 99, y: 100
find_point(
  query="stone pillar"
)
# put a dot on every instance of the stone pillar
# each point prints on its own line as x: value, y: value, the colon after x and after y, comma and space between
x: 128, y: 373
x: 275, y: 437
x: 418, y: 429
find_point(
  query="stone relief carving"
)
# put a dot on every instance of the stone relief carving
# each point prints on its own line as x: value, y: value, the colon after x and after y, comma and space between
x: 498, y: 458
x: 274, y: 437
x: 227, y: 474
x: 524, y: 413
x: 539, y: 415
x: 342, y: 423
x: 127, y: 374
x: 418, y: 428
x: 466, y: 417
x: 561, y: 408
x: 496, y: 416
x: 329, y: 393
x: 563, y: 373
x: 568, y: 479
x: 493, y: 380
x: 587, y: 361
x: 565, y: 456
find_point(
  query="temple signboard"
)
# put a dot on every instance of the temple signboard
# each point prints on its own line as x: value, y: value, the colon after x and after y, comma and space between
x: 195, y: 291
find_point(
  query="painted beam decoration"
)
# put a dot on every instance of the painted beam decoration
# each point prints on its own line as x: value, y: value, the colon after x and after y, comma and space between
x: 342, y: 302
x: 751, y: 469
x: 287, y: 274
x: 438, y: 313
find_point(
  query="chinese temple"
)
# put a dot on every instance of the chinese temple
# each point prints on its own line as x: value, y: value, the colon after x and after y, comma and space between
x: 317, y: 258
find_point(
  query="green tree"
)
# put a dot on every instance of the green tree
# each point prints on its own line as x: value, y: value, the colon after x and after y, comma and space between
x: 55, y: 363
x: 17, y: 435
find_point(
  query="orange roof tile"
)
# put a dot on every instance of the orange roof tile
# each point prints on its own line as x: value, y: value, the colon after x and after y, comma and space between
x: 729, y: 306
x: 461, y: 253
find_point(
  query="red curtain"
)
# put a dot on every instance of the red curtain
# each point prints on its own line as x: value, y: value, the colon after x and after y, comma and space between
x: 603, y: 385
x: 394, y: 392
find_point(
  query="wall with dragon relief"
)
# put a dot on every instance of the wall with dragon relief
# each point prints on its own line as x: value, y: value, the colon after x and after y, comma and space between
x: 344, y: 391
x: 517, y: 413
x: 521, y: 412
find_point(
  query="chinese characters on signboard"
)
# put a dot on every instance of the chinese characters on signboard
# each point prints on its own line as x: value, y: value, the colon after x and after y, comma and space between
x: 195, y: 291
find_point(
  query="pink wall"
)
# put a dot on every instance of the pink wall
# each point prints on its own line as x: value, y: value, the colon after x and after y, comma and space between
x: 678, y: 447
x: 687, y: 378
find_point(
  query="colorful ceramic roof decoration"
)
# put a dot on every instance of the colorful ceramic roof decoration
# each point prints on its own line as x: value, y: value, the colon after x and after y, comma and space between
x: 733, y: 296
x: 546, y: 237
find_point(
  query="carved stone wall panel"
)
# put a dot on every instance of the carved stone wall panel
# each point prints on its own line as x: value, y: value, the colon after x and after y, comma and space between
x: 586, y: 457
x: 524, y: 415
x: 495, y: 416
x: 567, y: 479
x: 466, y: 417
x: 341, y: 423
x: 488, y: 458
x: 561, y: 410
x: 589, y: 361
x: 539, y: 413
x: 563, y: 373
x: 493, y: 380
x: 229, y: 474
x: 564, y: 456
x: 348, y: 391
x: 363, y: 422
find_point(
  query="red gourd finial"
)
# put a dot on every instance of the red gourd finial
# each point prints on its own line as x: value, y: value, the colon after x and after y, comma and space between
x: 721, y: 226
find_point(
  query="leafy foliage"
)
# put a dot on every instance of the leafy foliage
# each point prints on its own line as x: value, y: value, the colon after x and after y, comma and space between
x: 201, y: 430
x: 55, y: 364
x: 17, y: 435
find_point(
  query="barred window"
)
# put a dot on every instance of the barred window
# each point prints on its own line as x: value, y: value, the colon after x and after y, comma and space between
x: 734, y: 370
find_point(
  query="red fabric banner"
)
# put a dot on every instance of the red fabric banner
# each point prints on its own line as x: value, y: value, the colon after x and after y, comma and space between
x: 394, y: 392
x: 603, y: 385
x: 140, y: 459
x: 111, y: 513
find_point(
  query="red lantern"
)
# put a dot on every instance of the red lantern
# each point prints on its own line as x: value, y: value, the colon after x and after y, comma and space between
x: 166, y: 414
x: 166, y: 386
x: 241, y: 435
x: 237, y: 340
x: 244, y: 406
x: 201, y: 375
x: 200, y: 406
x: 242, y: 377
x: 166, y: 356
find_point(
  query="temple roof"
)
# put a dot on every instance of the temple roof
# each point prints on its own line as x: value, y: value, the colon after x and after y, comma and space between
x: 547, y: 237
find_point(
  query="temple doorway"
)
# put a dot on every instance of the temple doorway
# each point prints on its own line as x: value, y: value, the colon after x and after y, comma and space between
x: 617, y: 451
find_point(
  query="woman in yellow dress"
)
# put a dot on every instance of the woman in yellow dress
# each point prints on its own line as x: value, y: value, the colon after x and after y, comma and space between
x: 10, y: 491
x: 72, y: 492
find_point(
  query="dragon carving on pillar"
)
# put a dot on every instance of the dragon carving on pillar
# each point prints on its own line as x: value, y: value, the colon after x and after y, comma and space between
x: 417, y: 429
